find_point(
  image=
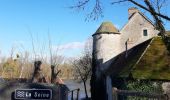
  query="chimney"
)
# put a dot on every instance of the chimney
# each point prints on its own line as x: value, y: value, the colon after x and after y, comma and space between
x: 131, y: 11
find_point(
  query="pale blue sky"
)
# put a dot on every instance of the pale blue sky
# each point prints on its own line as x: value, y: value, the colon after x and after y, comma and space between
x: 67, y: 27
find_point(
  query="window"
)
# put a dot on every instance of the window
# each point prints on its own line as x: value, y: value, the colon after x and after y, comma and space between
x: 145, y: 33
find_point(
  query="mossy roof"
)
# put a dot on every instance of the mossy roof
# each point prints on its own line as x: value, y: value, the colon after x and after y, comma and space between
x: 155, y: 63
x: 107, y: 27
x: 124, y: 62
x: 149, y: 61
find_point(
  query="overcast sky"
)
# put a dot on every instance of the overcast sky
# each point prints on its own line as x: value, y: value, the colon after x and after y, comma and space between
x: 67, y: 27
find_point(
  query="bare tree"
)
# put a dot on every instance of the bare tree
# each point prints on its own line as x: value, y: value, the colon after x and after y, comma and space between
x: 2, y: 61
x: 0, y: 53
x: 55, y: 61
x: 97, y: 10
x: 83, y: 65
x: 151, y: 6
x: 12, y: 52
x: 33, y: 44
x: 23, y: 58
x: 38, y: 76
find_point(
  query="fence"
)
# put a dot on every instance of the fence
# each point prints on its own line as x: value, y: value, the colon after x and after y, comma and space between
x: 126, y: 93
x: 72, y: 93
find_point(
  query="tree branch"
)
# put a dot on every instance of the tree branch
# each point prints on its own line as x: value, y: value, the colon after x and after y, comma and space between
x: 81, y: 4
x: 121, y: 1
x: 96, y: 12
x: 143, y: 7
x: 158, y: 21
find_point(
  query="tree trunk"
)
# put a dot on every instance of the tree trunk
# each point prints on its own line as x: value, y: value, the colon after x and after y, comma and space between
x: 85, y: 89
x: 52, y: 73
x: 22, y: 69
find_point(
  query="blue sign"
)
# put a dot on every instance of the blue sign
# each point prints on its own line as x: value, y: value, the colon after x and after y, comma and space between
x: 38, y: 94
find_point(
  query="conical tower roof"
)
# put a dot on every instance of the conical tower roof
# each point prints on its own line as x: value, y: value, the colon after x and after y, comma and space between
x: 107, y: 28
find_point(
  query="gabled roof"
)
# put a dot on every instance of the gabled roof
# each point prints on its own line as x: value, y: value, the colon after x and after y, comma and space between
x: 131, y: 18
x: 149, y: 60
x: 125, y: 61
x: 146, y: 18
x: 107, y: 28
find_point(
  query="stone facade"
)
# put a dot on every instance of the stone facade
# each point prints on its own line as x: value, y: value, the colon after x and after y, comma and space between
x: 108, y: 43
x: 133, y: 31
x: 106, y: 46
x: 137, y: 30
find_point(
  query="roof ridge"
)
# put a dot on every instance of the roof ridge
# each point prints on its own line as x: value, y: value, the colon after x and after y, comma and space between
x: 143, y: 15
x: 146, y: 18
x: 143, y: 53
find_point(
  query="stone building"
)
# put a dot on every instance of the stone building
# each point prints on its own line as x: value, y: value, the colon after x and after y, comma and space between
x: 136, y: 51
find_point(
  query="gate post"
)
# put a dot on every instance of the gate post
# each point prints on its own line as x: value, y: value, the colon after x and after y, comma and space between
x: 114, y: 91
x: 109, y: 88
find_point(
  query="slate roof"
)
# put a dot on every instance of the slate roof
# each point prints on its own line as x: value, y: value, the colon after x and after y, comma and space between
x: 107, y: 28
x: 149, y: 60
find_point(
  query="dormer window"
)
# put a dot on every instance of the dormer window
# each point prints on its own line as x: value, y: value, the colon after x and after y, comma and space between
x: 145, y: 32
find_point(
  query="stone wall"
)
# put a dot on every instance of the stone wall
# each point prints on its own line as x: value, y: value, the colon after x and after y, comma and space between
x: 132, y: 32
x: 166, y: 88
x: 59, y: 92
x: 106, y: 47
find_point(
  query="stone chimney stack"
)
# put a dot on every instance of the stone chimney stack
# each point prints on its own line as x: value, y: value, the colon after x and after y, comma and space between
x: 132, y: 11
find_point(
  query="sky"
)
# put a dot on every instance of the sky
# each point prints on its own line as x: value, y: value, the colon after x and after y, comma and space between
x: 25, y: 21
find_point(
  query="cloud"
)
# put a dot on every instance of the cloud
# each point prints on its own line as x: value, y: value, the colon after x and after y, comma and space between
x: 69, y: 49
x: 70, y: 46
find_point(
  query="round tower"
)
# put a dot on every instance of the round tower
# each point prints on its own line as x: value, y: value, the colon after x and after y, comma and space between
x: 106, y: 43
